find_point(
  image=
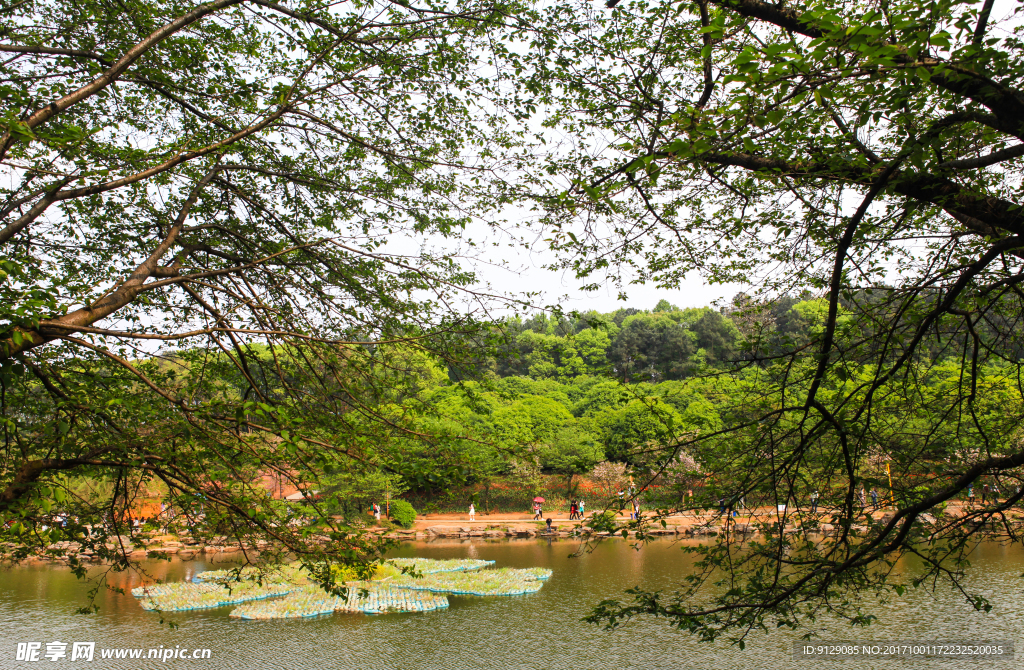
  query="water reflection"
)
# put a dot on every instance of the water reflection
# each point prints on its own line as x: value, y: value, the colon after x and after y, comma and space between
x: 538, y: 631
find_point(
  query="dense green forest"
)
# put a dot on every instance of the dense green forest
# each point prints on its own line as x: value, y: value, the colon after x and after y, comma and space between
x: 565, y: 393
x: 651, y: 390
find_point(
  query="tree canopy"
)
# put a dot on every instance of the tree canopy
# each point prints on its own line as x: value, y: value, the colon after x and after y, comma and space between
x: 868, y: 153
x: 213, y: 265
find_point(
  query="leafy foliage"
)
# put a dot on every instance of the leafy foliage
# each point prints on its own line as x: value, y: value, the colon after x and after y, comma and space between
x: 403, y: 513
x: 206, y: 288
x: 861, y: 158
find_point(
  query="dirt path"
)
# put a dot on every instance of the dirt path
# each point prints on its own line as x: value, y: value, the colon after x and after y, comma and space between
x: 679, y: 521
x: 482, y: 521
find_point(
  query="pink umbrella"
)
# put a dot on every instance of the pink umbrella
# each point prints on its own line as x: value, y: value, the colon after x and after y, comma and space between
x: 538, y: 499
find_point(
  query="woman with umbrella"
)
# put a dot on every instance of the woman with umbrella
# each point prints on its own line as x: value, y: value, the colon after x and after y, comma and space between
x: 538, y: 512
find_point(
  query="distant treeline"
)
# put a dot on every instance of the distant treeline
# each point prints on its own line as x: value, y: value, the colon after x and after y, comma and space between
x: 636, y: 345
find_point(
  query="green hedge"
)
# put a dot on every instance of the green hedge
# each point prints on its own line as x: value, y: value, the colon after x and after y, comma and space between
x: 403, y: 513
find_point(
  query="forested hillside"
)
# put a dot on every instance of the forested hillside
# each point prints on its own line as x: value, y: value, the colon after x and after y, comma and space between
x: 648, y: 391
x: 562, y: 394
x: 655, y: 345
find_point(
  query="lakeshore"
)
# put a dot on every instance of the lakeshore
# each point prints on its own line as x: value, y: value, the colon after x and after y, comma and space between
x: 505, y: 526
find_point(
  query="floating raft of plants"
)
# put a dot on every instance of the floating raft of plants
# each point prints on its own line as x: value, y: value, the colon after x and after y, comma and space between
x: 365, y: 597
x: 285, y: 592
x: 429, y: 566
x: 306, y: 602
x: 291, y: 574
x: 498, y: 582
x: 184, y: 596
x: 157, y: 590
x: 536, y: 574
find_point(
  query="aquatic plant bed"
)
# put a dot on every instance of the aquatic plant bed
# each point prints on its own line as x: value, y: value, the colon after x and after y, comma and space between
x: 537, y: 574
x: 285, y: 592
x: 157, y: 590
x: 291, y: 573
x: 185, y: 596
x: 429, y: 566
x: 364, y: 597
x: 497, y: 582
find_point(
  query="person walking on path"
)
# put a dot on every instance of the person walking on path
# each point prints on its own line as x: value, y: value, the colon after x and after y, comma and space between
x: 970, y: 494
x: 814, y: 502
x: 636, y: 509
x: 538, y: 512
x: 472, y: 512
x: 874, y: 497
x: 863, y: 497
x: 984, y: 494
x: 580, y: 508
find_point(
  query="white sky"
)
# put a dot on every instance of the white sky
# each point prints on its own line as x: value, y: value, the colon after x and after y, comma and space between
x: 562, y: 288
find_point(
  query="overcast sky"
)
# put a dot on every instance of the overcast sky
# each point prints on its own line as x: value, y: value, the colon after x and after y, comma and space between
x: 523, y: 271
x: 530, y: 276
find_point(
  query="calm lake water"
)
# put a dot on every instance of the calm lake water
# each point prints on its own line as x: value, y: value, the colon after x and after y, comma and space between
x: 540, y: 631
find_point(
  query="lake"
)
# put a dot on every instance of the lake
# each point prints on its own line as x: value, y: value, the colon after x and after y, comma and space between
x: 542, y: 631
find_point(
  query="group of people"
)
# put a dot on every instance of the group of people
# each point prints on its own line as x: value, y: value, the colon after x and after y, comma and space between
x: 634, y: 502
x: 577, y: 510
x: 863, y: 494
x: 988, y: 493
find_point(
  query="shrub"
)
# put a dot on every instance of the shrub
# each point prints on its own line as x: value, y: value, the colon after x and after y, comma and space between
x: 344, y: 573
x: 603, y: 522
x: 349, y: 573
x: 403, y: 513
